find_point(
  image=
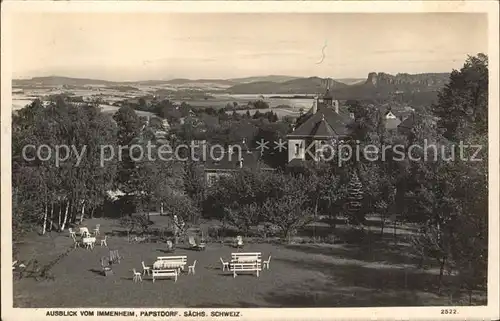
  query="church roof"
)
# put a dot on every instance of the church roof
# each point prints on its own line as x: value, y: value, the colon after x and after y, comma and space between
x: 323, y: 129
x: 324, y: 123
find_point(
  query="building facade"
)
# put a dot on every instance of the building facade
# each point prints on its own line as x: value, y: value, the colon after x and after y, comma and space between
x: 324, y: 124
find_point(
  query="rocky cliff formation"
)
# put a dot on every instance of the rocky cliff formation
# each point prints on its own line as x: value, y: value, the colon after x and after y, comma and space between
x: 424, y: 80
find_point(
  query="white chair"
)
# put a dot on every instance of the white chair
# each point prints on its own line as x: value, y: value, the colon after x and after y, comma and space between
x: 137, y: 276
x: 266, y: 263
x: 77, y: 242
x: 15, y: 262
x: 239, y: 241
x: 89, y: 242
x: 191, y: 267
x: 72, y: 233
x: 145, y: 269
x: 96, y: 230
x: 224, y: 264
x: 196, y: 245
x: 103, y: 241
x: 84, y: 232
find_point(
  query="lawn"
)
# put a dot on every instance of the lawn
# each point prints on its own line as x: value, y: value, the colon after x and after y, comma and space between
x: 300, y: 275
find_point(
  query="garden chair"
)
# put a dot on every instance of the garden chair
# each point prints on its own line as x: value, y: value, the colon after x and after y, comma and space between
x: 72, y: 233
x: 77, y: 242
x: 145, y: 269
x: 194, y: 245
x: 224, y: 264
x: 88, y: 244
x: 137, y: 276
x: 266, y: 263
x: 103, y: 241
x: 114, y: 256
x: 200, y: 244
x: 191, y: 267
x: 239, y: 242
x: 96, y: 230
x: 84, y: 232
x: 14, y: 265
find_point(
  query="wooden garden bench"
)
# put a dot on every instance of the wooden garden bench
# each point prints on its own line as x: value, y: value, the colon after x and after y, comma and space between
x: 169, y: 273
x: 253, y: 267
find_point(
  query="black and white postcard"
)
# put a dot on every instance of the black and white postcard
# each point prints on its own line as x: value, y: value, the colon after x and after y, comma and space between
x: 250, y: 160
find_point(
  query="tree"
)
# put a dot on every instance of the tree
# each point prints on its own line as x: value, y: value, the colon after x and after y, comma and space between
x: 287, y: 207
x: 168, y: 110
x: 193, y: 183
x: 74, y: 181
x: 183, y: 212
x: 367, y: 121
x: 355, y: 198
x: 129, y: 125
x: 463, y: 104
x: 136, y: 223
x: 244, y: 217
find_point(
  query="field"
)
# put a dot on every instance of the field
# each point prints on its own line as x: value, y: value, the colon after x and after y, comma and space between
x: 21, y: 99
x: 108, y: 109
x: 300, y: 275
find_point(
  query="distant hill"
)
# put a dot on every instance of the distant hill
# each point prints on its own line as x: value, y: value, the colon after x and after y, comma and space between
x: 375, y: 86
x: 351, y: 81
x: 55, y: 81
x: 60, y: 81
x: 272, y: 78
x: 311, y: 85
x: 183, y: 81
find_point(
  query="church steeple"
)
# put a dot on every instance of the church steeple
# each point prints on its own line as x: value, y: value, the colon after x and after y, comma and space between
x: 328, y: 97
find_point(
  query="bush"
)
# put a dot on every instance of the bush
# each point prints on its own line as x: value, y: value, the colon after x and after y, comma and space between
x: 215, y: 232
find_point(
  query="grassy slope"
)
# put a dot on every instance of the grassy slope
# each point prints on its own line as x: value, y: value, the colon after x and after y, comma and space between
x: 306, y: 275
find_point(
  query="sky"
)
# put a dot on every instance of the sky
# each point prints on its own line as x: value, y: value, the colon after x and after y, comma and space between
x: 144, y: 46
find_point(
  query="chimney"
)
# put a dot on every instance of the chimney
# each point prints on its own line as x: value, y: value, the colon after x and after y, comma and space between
x: 315, y: 105
x: 336, y: 106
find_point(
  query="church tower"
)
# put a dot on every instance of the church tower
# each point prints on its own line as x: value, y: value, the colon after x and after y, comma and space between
x: 328, y: 96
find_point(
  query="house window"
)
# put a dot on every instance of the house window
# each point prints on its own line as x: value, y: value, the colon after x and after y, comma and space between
x: 298, y: 147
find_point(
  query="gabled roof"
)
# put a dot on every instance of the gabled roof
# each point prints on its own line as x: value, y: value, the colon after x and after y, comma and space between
x: 389, y: 113
x: 334, y: 124
x: 323, y: 129
x: 408, y: 123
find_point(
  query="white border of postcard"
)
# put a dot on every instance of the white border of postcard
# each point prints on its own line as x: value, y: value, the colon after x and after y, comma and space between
x: 491, y: 311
